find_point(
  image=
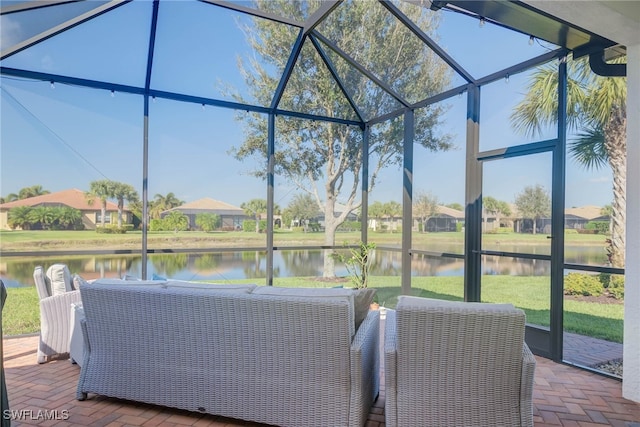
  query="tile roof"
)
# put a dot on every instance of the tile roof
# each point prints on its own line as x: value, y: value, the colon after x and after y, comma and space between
x: 207, y: 204
x: 454, y: 213
x: 73, y: 198
x: 587, y: 212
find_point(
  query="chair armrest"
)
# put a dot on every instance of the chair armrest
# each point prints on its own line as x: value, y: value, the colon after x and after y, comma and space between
x: 390, y: 369
x: 57, y: 309
x: 526, y: 386
x: 365, y: 368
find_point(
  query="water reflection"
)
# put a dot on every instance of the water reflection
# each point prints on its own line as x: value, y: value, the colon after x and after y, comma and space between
x: 224, y: 266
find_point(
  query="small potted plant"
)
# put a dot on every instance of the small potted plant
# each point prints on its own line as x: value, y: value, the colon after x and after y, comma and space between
x: 358, y: 263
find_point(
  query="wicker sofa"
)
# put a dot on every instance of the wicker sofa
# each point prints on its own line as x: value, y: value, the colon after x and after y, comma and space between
x: 287, y: 360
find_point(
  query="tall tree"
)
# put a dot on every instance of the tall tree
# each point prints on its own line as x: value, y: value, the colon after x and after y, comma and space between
x: 495, y: 207
x: 376, y: 211
x: 392, y: 210
x: 122, y: 192
x: 102, y: 190
x: 455, y: 205
x: 533, y: 203
x: 303, y: 207
x: 596, y: 107
x: 425, y: 206
x: 326, y: 158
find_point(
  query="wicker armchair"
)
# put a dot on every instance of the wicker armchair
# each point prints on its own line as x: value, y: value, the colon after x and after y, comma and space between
x: 55, y: 310
x: 457, y: 364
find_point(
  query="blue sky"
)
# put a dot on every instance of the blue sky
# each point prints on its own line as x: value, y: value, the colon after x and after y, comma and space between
x: 64, y: 137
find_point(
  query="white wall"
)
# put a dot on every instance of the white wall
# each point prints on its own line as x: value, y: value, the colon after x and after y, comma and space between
x: 631, y: 351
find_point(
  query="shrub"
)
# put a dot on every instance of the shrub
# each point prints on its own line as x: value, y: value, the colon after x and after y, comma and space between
x: 314, y: 226
x: 582, y: 284
x: 616, y: 287
x: 459, y: 226
x: 570, y: 231
x: 156, y: 224
x: 111, y: 229
x: 249, y: 225
x: 585, y: 231
x: 600, y: 227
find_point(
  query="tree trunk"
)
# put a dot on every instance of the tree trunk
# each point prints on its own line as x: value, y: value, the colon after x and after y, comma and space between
x: 330, y: 226
x: 616, y: 145
x: 120, y: 209
x: 104, y: 213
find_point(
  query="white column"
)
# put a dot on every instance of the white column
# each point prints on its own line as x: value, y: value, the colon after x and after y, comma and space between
x: 631, y: 351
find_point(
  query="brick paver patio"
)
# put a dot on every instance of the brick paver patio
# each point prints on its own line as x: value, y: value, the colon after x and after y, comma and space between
x: 563, y: 396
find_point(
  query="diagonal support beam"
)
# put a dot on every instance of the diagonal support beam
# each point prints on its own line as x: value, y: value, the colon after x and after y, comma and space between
x: 288, y: 69
x: 62, y: 27
x: 336, y: 77
x: 30, y: 5
x: 319, y: 15
x: 254, y: 12
x: 360, y: 68
x: 427, y: 40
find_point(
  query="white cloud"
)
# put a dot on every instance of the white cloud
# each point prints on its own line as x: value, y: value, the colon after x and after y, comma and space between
x: 10, y: 33
x: 47, y: 62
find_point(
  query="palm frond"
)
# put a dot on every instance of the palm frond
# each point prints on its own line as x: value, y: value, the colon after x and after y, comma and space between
x: 588, y: 148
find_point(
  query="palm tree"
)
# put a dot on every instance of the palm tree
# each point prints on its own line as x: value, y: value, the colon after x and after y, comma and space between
x: 19, y: 217
x: 255, y: 208
x: 102, y: 190
x: 163, y: 203
x: 68, y: 217
x: 42, y: 214
x: 596, y: 107
x: 122, y: 192
x: 34, y: 190
x: 177, y: 221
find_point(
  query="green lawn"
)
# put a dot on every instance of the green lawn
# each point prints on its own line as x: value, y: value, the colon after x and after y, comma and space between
x: 21, y: 313
x: 45, y: 240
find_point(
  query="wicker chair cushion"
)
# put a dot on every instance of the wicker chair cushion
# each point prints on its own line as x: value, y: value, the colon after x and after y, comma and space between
x: 416, y: 302
x: 60, y: 278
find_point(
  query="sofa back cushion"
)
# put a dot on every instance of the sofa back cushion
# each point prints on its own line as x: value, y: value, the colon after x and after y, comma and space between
x: 241, y: 288
x: 60, y: 279
x: 314, y: 293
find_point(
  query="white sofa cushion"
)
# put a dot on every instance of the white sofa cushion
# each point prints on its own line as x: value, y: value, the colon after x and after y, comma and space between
x: 111, y: 282
x: 405, y: 301
x: 60, y: 278
x: 241, y: 288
